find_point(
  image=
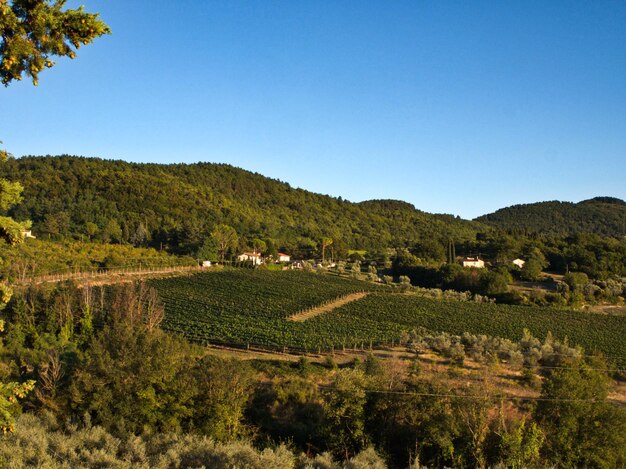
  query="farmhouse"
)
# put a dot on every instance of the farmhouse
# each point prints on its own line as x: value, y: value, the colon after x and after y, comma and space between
x: 254, y: 257
x: 519, y: 262
x: 27, y: 234
x: 283, y: 257
x: 473, y: 262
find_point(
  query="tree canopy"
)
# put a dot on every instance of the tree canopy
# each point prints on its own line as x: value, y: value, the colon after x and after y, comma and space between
x: 179, y: 206
x: 34, y: 31
x: 601, y: 215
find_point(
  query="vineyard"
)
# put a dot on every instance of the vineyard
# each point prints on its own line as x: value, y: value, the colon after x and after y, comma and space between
x: 381, y: 316
x: 247, y: 306
x: 253, y: 307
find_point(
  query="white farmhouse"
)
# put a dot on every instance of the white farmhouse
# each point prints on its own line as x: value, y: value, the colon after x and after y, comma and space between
x: 282, y: 257
x: 253, y: 257
x: 473, y: 262
x: 27, y: 234
x: 519, y: 262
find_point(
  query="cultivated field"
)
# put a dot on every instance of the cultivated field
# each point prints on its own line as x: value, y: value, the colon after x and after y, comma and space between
x: 249, y: 306
x: 254, y: 307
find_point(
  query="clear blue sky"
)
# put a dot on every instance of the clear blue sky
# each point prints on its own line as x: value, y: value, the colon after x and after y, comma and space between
x: 457, y: 107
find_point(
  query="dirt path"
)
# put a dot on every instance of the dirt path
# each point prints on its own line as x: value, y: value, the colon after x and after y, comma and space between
x: 611, y: 310
x: 325, y: 308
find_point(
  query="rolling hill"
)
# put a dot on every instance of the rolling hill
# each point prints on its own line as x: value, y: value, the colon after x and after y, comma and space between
x: 177, y: 205
x: 604, y: 216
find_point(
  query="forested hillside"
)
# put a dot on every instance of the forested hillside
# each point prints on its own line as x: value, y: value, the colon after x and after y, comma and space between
x: 605, y: 216
x: 178, y: 205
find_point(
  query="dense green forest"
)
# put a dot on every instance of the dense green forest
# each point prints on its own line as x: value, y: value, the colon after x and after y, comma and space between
x: 178, y: 205
x: 605, y: 216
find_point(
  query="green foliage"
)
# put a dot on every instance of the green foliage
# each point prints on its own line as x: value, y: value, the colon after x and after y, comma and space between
x: 404, y: 280
x: 531, y: 270
x: 576, y: 280
x: 177, y: 207
x: 91, y: 229
x: 36, y: 258
x: 411, y: 426
x: 133, y: 371
x: 11, y: 233
x: 290, y: 409
x: 521, y: 445
x: 98, y: 355
x: 344, y: 408
x: 10, y: 195
x: 382, y: 315
x: 225, y: 238
x: 582, y: 429
x: 599, y: 216
x: 112, y: 232
x: 372, y: 366
x: 9, y: 407
x: 180, y: 205
x: 330, y: 363
x: 10, y: 392
x: 534, y: 265
x: 225, y: 387
x: 496, y: 281
x: 208, y: 251
x: 33, y: 32
x: 432, y: 249
x: 40, y: 443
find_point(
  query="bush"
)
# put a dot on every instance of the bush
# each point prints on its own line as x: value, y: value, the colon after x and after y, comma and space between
x: 40, y: 443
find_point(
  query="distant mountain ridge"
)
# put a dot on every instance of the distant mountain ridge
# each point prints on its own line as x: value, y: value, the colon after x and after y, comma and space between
x: 604, y: 216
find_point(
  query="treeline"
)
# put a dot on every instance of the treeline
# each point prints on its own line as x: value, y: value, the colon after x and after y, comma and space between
x: 600, y: 259
x: 177, y: 206
x: 575, y: 289
x: 105, y: 373
x: 604, y: 216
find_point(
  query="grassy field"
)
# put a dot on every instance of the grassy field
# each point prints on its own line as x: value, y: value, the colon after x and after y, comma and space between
x: 253, y: 306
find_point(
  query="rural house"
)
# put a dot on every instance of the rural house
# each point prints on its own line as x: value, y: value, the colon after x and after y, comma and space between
x: 253, y: 257
x: 282, y: 257
x: 27, y: 234
x: 473, y: 262
x: 519, y: 262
